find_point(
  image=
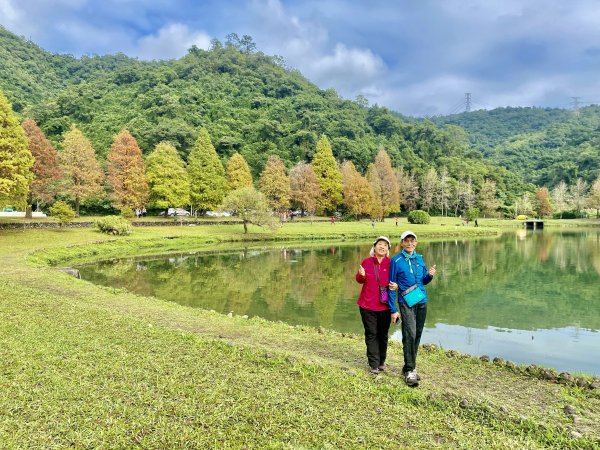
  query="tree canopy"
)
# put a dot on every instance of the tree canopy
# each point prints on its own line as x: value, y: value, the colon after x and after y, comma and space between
x: 15, y: 158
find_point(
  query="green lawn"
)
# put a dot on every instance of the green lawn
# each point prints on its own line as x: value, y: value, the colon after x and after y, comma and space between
x: 83, y: 366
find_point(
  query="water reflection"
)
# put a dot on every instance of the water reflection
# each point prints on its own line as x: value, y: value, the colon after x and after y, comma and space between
x: 531, y: 297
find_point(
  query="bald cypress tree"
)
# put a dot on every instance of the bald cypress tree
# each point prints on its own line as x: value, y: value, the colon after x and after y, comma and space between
x: 208, y: 185
x: 15, y: 159
x: 385, y: 184
x: 358, y: 192
x: 46, y: 168
x: 305, y: 188
x: 169, y: 182
x: 329, y: 176
x: 238, y: 172
x: 82, y: 173
x: 126, y: 174
x: 275, y: 184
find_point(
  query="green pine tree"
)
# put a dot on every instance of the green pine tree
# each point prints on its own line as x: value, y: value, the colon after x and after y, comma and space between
x: 208, y: 185
x: 238, y: 172
x: 169, y: 182
x: 16, y: 160
x: 329, y: 176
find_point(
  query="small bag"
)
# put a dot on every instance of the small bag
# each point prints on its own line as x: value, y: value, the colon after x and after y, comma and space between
x: 413, y: 295
x: 383, y: 292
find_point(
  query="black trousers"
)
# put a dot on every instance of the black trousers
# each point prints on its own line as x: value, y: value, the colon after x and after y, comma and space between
x: 413, y: 321
x: 377, y: 325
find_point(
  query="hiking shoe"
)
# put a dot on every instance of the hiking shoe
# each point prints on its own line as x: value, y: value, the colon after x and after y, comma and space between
x: 411, y: 378
x: 382, y: 367
x: 375, y: 370
x: 415, y: 371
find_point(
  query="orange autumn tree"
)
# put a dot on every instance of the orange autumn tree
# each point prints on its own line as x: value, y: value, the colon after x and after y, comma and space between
x: 385, y: 184
x: 305, y: 188
x: 46, y: 168
x: 275, y: 184
x: 544, y: 207
x: 358, y: 192
x: 83, y: 175
x: 126, y: 176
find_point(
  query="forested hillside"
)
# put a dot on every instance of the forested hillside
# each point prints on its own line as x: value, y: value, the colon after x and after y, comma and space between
x: 249, y: 102
x: 545, y: 146
x: 488, y: 128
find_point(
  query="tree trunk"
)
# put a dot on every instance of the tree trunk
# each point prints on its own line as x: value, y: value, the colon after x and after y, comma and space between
x: 77, y: 205
x: 28, y: 212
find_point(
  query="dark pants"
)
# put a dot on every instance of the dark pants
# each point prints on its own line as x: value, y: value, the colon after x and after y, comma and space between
x: 377, y: 325
x: 413, y: 321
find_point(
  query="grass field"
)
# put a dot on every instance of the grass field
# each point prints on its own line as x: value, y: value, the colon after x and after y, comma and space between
x: 83, y: 366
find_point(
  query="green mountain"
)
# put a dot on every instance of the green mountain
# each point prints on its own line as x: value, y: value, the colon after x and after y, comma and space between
x: 249, y: 102
x: 542, y: 145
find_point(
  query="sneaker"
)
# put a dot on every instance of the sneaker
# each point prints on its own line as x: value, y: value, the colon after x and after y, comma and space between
x: 415, y: 371
x: 382, y: 367
x: 375, y: 370
x: 411, y: 378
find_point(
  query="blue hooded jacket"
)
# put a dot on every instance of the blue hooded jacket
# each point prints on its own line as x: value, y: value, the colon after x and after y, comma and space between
x: 400, y: 272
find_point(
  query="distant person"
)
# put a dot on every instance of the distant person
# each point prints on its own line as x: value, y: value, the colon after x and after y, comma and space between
x: 373, y: 223
x: 332, y: 219
x: 396, y: 221
x: 476, y: 224
x: 409, y: 272
x: 373, y: 302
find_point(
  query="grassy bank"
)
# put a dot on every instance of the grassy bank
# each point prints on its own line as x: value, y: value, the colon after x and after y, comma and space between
x: 90, y: 367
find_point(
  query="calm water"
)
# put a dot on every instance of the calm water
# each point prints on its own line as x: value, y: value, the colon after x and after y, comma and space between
x: 530, y: 297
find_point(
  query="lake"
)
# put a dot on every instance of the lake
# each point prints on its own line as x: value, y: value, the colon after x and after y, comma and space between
x: 532, y: 297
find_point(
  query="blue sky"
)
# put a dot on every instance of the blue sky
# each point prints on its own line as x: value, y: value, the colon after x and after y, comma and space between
x: 417, y: 57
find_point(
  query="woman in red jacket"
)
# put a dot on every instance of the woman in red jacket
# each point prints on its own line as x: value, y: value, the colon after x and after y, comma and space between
x: 373, y: 274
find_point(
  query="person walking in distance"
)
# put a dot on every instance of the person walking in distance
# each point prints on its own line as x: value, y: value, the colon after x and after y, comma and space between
x: 409, y: 272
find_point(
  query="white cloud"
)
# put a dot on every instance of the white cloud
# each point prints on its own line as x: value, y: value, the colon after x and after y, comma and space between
x: 8, y: 12
x: 172, y: 41
x: 347, y: 69
x: 306, y: 45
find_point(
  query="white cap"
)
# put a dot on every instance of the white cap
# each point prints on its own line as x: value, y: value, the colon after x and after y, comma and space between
x: 382, y: 238
x: 407, y: 233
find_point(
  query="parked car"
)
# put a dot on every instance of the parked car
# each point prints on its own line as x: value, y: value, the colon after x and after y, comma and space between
x: 217, y: 214
x: 172, y: 212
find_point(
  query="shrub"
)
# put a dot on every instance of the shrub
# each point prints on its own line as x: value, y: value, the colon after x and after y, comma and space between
x: 472, y: 214
x: 113, y: 225
x: 571, y: 215
x: 127, y: 212
x: 419, y: 216
x: 62, y: 213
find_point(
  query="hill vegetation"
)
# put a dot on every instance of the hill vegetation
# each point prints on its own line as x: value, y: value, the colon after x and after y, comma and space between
x: 249, y: 102
x: 253, y: 105
x: 543, y: 145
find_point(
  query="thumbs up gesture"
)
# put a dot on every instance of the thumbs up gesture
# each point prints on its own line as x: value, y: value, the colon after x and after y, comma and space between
x: 432, y: 270
x: 361, y: 271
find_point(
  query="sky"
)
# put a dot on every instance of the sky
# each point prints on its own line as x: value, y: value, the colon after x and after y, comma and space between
x: 416, y: 57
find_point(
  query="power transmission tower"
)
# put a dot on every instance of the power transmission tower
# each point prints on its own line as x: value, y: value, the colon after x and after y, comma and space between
x: 467, y: 102
x: 576, y: 105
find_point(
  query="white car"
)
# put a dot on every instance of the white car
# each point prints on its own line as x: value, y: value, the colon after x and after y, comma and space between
x: 172, y: 212
x: 217, y: 214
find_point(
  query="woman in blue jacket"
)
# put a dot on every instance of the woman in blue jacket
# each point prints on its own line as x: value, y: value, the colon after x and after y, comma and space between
x: 409, y: 271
